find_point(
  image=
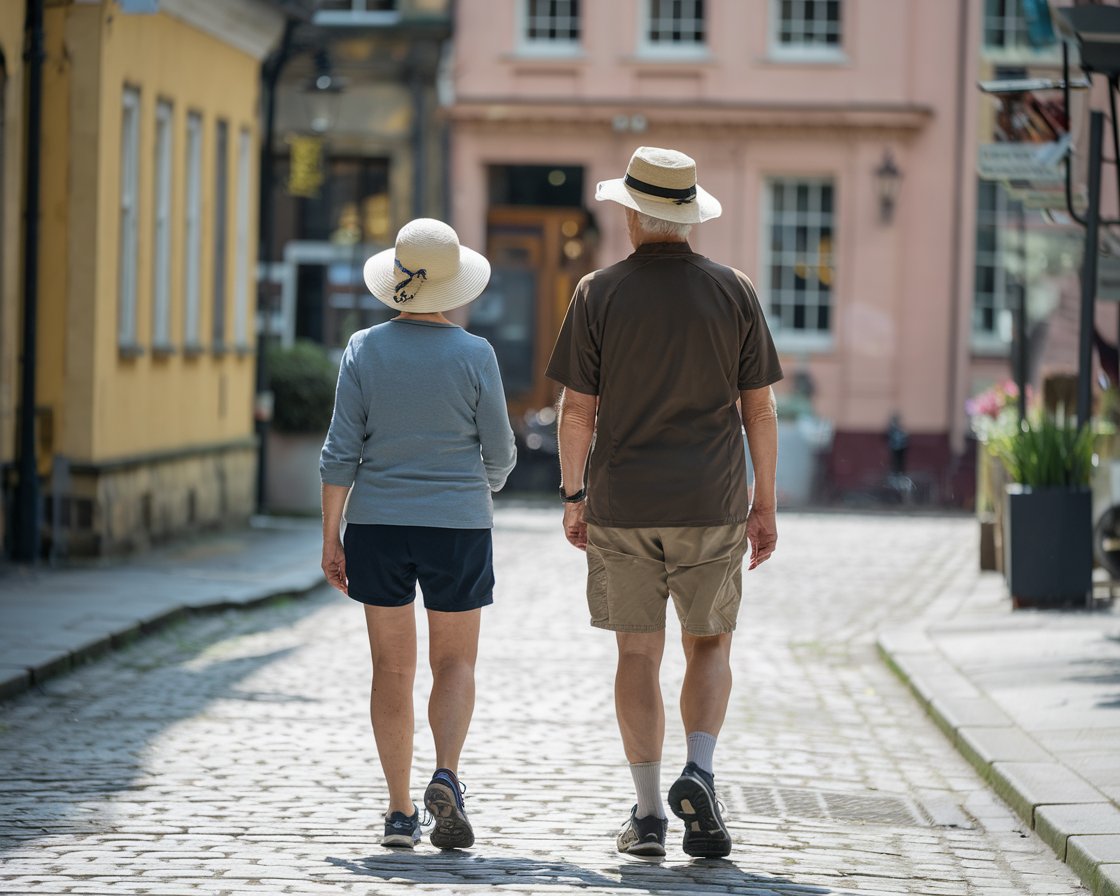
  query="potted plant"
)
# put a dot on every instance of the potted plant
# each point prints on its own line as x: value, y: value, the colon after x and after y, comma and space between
x: 1048, y: 511
x: 302, y: 377
x: 992, y: 413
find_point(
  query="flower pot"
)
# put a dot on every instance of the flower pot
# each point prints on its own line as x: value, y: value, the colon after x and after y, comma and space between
x: 1048, y: 545
x: 293, y: 484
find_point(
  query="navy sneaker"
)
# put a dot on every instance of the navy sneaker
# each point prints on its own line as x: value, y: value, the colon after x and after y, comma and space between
x: 402, y: 831
x: 643, y: 836
x: 444, y: 800
x: 693, y: 799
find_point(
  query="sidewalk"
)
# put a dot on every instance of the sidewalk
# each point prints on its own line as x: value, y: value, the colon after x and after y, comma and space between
x: 53, y: 619
x: 1032, y: 700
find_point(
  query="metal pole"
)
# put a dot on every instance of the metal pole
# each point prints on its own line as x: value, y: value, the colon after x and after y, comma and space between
x: 1089, y: 270
x: 26, y: 534
x: 1021, y: 365
x: 419, y: 141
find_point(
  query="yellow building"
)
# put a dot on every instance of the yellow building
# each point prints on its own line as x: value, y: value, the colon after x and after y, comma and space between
x: 147, y: 266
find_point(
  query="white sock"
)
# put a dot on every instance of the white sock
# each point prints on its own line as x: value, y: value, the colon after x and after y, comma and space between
x: 701, y: 748
x: 647, y: 784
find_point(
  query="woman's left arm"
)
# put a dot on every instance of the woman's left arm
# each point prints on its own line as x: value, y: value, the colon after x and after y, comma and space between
x: 499, y: 453
x: 338, y: 463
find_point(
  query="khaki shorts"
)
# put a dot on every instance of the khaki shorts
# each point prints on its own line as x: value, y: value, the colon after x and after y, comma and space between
x: 632, y: 572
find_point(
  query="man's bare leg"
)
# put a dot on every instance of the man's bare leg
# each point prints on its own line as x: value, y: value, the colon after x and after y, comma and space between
x: 707, y: 682
x: 637, y: 695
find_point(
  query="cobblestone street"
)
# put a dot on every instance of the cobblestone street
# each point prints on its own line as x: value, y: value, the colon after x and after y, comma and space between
x: 232, y: 753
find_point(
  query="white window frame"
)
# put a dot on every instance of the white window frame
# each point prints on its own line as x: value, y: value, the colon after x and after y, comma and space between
x: 128, y: 236
x: 670, y: 49
x: 192, y: 235
x: 789, y: 339
x: 161, y: 227
x: 543, y: 46
x: 241, y: 262
x: 803, y: 52
x: 1013, y: 22
x: 998, y: 218
x: 358, y: 14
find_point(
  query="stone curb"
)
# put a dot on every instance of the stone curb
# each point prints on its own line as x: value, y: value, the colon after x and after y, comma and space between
x: 40, y: 665
x: 1075, y: 819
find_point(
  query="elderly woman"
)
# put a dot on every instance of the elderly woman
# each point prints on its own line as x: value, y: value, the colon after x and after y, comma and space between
x: 419, y: 439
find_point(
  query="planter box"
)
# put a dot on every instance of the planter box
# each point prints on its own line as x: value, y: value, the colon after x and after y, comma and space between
x: 1048, y: 546
x: 293, y: 484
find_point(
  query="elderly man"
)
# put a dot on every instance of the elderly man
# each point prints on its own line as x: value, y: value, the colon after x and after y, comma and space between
x: 664, y: 357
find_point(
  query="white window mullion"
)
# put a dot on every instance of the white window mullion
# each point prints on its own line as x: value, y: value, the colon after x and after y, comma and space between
x: 129, y: 190
x: 161, y: 244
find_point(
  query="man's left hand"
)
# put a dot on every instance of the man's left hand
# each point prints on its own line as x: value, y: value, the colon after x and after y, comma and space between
x: 575, y: 529
x: 762, y: 532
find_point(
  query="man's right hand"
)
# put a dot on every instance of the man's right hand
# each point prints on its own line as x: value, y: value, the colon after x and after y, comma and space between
x: 575, y: 529
x: 762, y: 532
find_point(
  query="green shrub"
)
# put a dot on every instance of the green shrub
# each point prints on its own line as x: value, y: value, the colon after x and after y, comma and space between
x: 302, y: 377
x: 1047, y: 453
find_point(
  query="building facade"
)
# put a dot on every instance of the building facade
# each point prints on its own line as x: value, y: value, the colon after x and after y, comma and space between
x: 147, y: 268
x: 359, y: 93
x: 841, y: 137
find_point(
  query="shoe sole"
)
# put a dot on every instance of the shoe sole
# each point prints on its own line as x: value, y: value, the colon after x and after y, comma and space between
x: 644, y: 849
x: 705, y: 835
x: 399, y: 841
x: 451, y: 830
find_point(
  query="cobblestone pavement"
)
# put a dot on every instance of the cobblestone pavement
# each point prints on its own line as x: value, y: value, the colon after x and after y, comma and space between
x: 231, y: 754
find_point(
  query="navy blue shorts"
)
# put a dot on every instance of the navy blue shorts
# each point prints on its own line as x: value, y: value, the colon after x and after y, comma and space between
x: 455, y: 567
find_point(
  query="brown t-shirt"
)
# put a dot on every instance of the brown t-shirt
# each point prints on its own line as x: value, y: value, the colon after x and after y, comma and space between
x: 667, y: 339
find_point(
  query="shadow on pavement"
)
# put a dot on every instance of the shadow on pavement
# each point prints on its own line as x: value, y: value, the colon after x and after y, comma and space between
x: 1103, y: 671
x: 72, y: 749
x: 464, y: 868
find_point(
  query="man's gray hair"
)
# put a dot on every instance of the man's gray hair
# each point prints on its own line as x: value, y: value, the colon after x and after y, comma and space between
x: 659, y: 227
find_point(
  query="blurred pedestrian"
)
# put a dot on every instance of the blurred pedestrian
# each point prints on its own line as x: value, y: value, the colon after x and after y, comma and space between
x: 653, y: 355
x: 419, y: 439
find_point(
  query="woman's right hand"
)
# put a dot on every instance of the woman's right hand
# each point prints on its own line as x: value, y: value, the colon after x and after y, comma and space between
x: 334, y: 565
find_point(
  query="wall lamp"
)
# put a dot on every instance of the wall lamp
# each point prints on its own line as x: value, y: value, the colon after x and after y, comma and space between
x: 887, y: 180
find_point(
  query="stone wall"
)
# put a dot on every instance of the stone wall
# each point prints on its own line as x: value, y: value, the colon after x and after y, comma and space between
x: 125, y: 506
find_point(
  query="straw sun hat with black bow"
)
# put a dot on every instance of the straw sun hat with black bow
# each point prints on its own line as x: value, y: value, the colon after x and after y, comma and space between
x: 662, y: 184
x: 427, y: 271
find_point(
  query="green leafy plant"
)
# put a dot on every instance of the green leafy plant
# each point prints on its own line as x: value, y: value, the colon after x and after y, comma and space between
x: 302, y: 377
x: 1048, y: 452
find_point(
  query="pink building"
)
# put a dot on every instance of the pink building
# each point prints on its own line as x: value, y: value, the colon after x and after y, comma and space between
x: 797, y: 112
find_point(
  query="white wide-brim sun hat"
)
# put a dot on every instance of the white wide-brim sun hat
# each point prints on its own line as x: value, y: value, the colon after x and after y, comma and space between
x: 661, y: 183
x: 427, y: 271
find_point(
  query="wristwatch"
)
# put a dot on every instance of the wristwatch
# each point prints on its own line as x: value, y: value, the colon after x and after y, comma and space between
x: 573, y: 499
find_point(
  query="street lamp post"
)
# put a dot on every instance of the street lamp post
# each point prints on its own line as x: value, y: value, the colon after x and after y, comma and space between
x: 1097, y: 32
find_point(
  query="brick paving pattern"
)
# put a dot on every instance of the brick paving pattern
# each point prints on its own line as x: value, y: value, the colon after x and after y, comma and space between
x: 232, y: 754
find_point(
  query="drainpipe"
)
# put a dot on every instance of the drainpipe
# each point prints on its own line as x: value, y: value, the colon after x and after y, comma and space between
x: 26, y: 529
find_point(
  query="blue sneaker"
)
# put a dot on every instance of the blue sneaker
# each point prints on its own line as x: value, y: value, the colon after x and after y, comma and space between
x: 693, y: 799
x: 444, y: 800
x: 642, y: 836
x: 402, y: 831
